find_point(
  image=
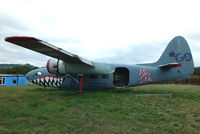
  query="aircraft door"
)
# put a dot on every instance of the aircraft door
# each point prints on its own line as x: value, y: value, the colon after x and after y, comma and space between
x: 121, y: 77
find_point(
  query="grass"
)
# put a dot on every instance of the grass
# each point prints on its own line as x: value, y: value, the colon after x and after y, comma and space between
x: 34, y: 109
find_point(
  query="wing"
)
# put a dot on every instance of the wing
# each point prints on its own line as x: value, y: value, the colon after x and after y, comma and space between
x: 47, y: 49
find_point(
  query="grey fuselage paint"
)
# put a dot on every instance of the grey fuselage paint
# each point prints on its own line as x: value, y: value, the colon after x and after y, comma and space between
x: 177, y: 53
x: 138, y: 75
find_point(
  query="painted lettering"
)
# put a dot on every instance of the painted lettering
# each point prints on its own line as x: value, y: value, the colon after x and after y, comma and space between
x: 145, y: 76
x: 183, y: 57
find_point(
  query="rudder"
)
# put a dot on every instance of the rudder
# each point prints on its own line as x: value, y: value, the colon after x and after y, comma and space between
x: 178, y: 51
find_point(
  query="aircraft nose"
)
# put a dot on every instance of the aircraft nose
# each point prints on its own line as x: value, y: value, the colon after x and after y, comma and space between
x: 29, y: 76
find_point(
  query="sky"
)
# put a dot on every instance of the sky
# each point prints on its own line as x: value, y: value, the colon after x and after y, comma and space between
x: 110, y: 31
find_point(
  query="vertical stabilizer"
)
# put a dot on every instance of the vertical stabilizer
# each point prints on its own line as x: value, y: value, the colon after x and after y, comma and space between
x: 178, y: 53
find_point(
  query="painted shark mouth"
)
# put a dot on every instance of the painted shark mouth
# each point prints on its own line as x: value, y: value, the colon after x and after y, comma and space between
x: 49, y: 81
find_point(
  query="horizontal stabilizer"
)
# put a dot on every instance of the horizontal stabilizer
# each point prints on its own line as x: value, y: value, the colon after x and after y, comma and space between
x: 170, y: 65
x: 47, y: 49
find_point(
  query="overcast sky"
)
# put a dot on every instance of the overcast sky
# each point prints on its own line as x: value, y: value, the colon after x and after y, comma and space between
x: 111, y: 31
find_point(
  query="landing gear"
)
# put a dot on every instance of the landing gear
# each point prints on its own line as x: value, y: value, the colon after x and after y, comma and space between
x: 78, y: 79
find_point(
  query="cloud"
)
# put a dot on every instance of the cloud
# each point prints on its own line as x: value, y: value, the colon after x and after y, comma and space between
x: 9, y: 22
x: 128, y: 32
x: 145, y: 52
x: 18, y: 55
x: 193, y: 40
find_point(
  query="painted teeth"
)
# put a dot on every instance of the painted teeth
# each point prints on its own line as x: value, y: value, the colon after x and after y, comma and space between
x: 38, y: 81
x: 34, y: 81
x: 46, y: 84
x: 48, y: 81
x: 42, y: 79
x: 54, y: 84
x: 51, y: 79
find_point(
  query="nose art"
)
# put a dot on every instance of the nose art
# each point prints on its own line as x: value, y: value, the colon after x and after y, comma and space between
x: 49, y: 81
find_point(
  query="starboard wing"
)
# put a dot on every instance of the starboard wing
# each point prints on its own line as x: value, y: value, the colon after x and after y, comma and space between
x: 47, y: 49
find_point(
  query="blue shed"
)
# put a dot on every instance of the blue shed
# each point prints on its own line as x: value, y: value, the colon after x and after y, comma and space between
x: 12, y: 80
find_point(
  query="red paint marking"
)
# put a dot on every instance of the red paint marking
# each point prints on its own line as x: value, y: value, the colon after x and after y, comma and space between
x: 20, y: 38
x: 55, y: 65
x: 48, y: 62
x: 179, y: 64
x: 145, y: 75
x: 175, y: 64
x: 51, y: 76
x: 81, y: 84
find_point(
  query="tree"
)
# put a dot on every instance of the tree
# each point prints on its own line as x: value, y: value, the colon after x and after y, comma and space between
x: 197, y: 71
x: 23, y: 69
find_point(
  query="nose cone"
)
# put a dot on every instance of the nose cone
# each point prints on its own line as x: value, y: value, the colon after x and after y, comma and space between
x: 43, y: 78
x: 34, y: 74
x: 30, y: 75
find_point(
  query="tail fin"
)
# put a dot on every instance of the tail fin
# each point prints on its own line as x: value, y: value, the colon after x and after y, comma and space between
x: 178, y: 56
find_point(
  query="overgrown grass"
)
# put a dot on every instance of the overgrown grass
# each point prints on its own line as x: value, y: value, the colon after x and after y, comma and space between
x: 34, y: 109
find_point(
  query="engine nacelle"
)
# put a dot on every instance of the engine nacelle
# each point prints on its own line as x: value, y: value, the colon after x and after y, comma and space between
x: 56, y: 66
x: 61, y: 67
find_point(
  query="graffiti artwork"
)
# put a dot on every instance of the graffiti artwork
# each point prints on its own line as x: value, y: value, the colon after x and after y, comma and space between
x: 171, y: 54
x: 145, y: 75
x: 180, y: 57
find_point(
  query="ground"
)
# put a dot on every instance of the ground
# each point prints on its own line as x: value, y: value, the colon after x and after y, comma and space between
x: 34, y: 109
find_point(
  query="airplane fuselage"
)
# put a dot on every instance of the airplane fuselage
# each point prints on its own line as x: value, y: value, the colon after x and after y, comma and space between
x: 124, y: 75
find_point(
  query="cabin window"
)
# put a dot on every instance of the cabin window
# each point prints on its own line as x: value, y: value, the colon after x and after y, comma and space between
x: 2, y: 80
x: 93, y: 76
x: 105, y: 76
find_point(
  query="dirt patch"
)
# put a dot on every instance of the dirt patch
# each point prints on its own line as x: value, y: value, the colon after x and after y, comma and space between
x: 2, y: 128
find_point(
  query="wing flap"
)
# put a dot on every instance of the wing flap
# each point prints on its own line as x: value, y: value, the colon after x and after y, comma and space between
x: 47, y: 49
x: 170, y: 65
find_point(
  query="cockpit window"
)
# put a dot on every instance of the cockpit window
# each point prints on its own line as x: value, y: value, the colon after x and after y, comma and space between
x: 38, y: 73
